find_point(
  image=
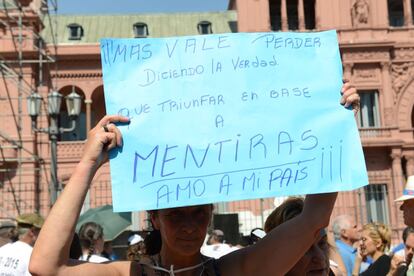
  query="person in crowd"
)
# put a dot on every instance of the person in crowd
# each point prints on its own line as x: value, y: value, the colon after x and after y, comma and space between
x: 92, y: 243
x: 316, y: 259
x: 216, y: 246
x: 14, y: 257
x: 375, y: 240
x: 181, y: 231
x: 136, y: 248
x: 401, y: 263
x: 8, y: 231
x: 346, y: 233
x: 335, y: 260
x: 108, y: 251
x: 407, y: 200
x: 216, y: 237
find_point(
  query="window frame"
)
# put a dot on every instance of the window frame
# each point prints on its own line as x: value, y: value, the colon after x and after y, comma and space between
x: 78, y: 29
x: 395, y: 16
x: 365, y: 112
x: 205, y: 24
x: 144, y: 33
x: 377, y: 209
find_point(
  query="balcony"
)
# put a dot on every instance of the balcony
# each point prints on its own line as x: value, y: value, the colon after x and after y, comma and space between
x: 375, y: 132
x: 8, y: 153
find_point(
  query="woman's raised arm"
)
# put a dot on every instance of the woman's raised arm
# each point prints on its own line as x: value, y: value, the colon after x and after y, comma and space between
x: 51, y: 252
x: 279, y: 251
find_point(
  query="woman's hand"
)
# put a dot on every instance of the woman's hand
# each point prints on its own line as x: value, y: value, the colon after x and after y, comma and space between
x: 362, y: 254
x: 350, y: 96
x: 102, y: 138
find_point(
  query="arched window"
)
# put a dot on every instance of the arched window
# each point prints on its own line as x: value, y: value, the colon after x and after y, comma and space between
x: 396, y: 13
x: 204, y: 27
x: 140, y: 30
x: 75, y: 31
x: 79, y: 133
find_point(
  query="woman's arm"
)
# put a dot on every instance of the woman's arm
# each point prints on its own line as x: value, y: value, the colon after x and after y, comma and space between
x: 51, y: 252
x: 335, y: 256
x: 357, y: 264
x: 279, y: 251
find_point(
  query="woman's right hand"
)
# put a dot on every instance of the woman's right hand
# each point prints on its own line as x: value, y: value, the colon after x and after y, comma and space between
x: 361, y: 254
x: 102, y: 138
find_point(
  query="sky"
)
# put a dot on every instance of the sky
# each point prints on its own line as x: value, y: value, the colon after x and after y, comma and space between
x: 138, y: 6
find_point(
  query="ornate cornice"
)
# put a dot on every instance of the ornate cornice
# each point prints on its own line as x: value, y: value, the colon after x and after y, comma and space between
x: 366, y: 74
x: 77, y: 75
x: 404, y: 54
x: 366, y: 56
x: 401, y: 75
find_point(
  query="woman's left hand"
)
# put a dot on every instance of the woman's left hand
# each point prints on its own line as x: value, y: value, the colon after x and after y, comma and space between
x: 350, y: 96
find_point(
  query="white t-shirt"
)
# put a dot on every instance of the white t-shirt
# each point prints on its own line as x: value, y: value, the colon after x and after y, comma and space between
x: 14, y: 259
x: 93, y: 259
x: 217, y: 250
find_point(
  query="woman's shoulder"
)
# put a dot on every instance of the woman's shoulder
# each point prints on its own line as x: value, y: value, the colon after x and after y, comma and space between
x: 384, y: 258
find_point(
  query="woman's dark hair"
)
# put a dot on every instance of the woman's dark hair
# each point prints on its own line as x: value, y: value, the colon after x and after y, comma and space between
x: 89, y: 233
x: 152, y: 240
x: 289, y: 209
x: 75, y: 248
x: 13, y: 234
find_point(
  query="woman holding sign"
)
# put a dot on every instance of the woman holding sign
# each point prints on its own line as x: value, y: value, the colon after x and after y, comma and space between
x: 182, y: 229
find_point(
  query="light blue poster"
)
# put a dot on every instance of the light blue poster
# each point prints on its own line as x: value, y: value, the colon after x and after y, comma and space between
x: 229, y: 117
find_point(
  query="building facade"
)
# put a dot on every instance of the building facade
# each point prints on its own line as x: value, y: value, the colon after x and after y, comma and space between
x: 377, y: 48
x: 42, y: 52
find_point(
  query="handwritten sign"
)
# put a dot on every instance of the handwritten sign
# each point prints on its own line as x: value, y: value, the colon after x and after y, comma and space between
x: 228, y: 117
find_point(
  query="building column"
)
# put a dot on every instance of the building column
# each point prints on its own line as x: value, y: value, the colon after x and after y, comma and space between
x: 317, y: 20
x: 388, y: 95
x: 283, y: 9
x: 348, y: 70
x: 409, y: 156
x: 408, y: 16
x: 88, y: 104
x: 301, y: 13
x: 397, y: 174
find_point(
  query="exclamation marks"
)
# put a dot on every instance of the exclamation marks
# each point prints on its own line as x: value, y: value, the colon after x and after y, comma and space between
x: 328, y: 162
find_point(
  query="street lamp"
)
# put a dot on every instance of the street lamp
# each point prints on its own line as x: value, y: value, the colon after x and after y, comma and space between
x: 73, y: 105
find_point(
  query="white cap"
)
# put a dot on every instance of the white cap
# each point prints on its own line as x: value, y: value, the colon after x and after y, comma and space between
x: 408, y: 192
x: 134, y: 239
x: 259, y: 233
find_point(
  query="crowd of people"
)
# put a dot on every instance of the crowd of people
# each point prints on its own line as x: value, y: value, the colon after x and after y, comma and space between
x: 296, y: 239
x: 345, y: 248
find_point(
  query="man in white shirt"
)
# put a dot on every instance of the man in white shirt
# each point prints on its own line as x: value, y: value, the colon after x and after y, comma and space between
x: 15, y: 257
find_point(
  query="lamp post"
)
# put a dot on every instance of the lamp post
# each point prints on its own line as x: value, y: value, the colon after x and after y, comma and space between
x: 73, y: 105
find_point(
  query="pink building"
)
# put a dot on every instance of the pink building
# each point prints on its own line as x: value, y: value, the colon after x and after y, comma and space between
x: 41, y: 52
